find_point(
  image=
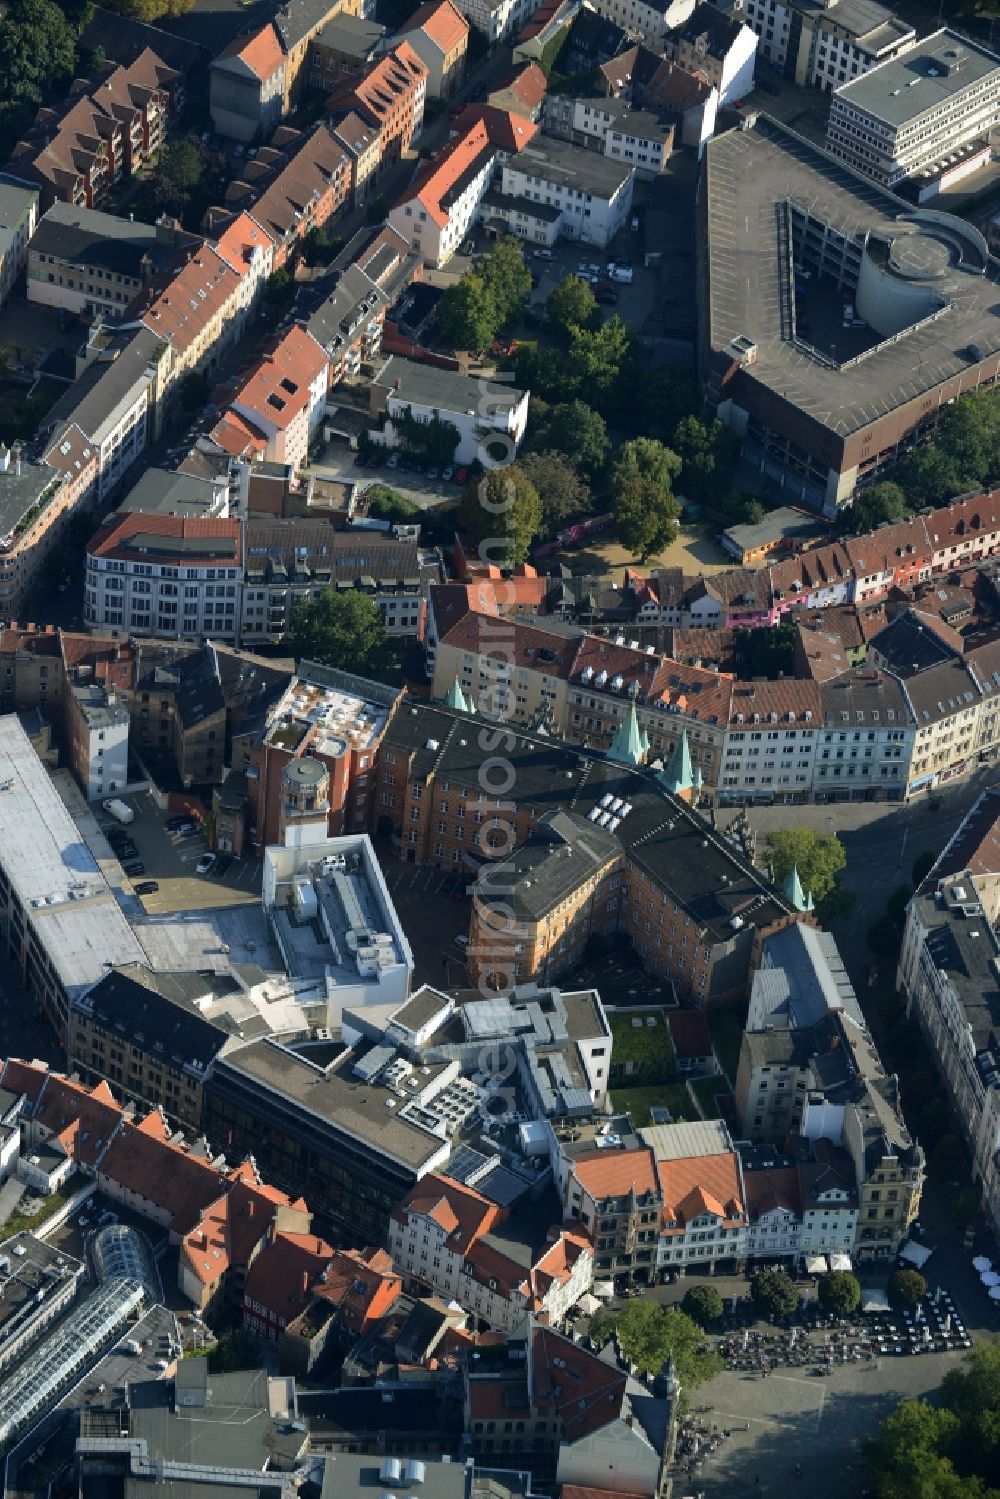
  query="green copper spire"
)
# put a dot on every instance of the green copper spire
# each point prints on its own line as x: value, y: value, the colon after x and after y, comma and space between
x: 678, y: 774
x: 627, y: 745
x: 793, y: 892
x: 455, y: 697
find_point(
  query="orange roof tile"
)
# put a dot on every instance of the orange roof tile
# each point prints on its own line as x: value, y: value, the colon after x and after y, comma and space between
x: 262, y: 53
x: 240, y: 240
x: 693, y: 1185
x: 443, y: 22
x: 180, y: 309
x: 120, y: 535
x: 456, y: 1208
x: 282, y: 1276
x: 279, y: 388
x: 614, y: 1173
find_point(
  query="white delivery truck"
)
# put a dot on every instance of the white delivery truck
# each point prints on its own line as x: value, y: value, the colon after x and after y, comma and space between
x: 119, y: 810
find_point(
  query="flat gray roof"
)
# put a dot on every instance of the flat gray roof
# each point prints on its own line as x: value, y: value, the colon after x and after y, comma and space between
x: 54, y: 874
x: 338, y: 1098
x: 750, y: 172
x: 445, y: 389
x: 859, y: 18
x: 15, y: 200
x: 567, y: 165
x: 923, y: 78
x: 20, y: 491
x: 161, y: 491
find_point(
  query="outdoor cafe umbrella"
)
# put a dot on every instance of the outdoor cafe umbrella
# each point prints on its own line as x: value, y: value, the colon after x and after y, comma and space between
x: 981, y: 1263
x: 990, y: 1278
x: 995, y: 1293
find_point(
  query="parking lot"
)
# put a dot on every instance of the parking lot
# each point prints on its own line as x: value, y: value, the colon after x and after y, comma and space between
x: 169, y: 859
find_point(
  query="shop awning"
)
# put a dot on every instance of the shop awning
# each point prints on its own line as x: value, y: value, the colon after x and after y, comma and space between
x: 816, y: 1264
x: 604, y: 1288
x: 875, y: 1301
x: 915, y: 1254
x: 589, y: 1304
x: 840, y: 1262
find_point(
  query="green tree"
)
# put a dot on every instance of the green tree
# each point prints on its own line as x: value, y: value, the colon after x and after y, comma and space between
x: 645, y: 458
x: 708, y: 451
x: 468, y: 314
x: 819, y: 858
x: 905, y: 1289
x: 383, y: 503
x: 343, y: 630
x: 149, y: 11
x: 766, y: 653
x: 279, y: 293
x: 882, y: 502
x: 546, y: 373
x: 839, y: 1292
x: 235, y: 1350
x: 906, y: 1460
x: 501, y: 509
x: 597, y: 356
x: 560, y: 488
x: 181, y: 168
x: 573, y: 429
x: 653, y: 401
x: 703, y: 1305
x: 37, y: 52
x: 895, y: 906
x: 646, y: 520
x: 922, y: 866
x: 773, y: 1293
x: 506, y: 277
x: 972, y: 1395
x: 753, y: 512
x: 930, y: 476
x: 650, y: 1335
x: 571, y: 304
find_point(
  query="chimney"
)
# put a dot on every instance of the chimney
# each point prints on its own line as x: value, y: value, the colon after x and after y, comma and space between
x: 250, y: 1207
x: 834, y: 1042
x: 399, y: 384
x: 305, y: 1282
x: 16, y: 450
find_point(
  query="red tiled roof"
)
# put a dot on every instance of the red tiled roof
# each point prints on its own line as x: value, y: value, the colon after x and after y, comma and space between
x: 772, y: 1187
x: 526, y: 83
x: 234, y: 435
x: 309, y: 169
x: 181, y: 1184
x: 239, y: 240
x: 24, y: 1077
x: 262, y: 53
x: 279, y: 388
x: 115, y: 537
x: 436, y: 179
x: 693, y: 1185
x: 85, y: 1119
x: 456, y: 1208
x: 511, y: 132
x: 282, y: 1276
x: 442, y: 21
x: 181, y: 309
x: 615, y: 1173
x: 783, y: 700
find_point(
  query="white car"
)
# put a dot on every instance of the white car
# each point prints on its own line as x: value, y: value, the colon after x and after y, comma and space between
x: 462, y: 941
x: 622, y: 273
x: 205, y: 864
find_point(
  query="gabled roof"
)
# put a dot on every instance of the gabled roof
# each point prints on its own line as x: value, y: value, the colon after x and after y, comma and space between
x: 86, y: 1120
x: 240, y: 241
x: 135, y: 535
x: 280, y: 387
x: 181, y: 1184
x: 442, y: 21
x: 282, y: 1276
x: 307, y: 172
x: 463, y: 1213
x: 694, y: 1185
x: 261, y: 54
x: 616, y: 1173
x: 181, y: 309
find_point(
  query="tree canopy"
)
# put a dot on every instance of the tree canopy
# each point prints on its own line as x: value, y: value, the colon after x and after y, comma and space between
x: 571, y: 304
x: 383, y: 503
x: 650, y: 1334
x: 468, y: 314
x: 819, y: 858
x: 151, y: 10
x: 882, y: 502
x: 506, y: 278
x: 949, y: 1452
x: 773, y: 1293
x: 643, y: 503
x: 343, y: 630
x: 703, y: 1305
x: 573, y: 429
x: 906, y: 1288
x: 37, y: 52
x: 707, y: 450
x: 560, y: 488
x: 839, y: 1292
x: 501, y: 507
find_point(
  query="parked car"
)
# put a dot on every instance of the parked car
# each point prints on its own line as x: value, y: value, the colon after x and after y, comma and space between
x: 146, y: 887
x: 392, y: 461
x: 448, y: 473
x: 173, y: 823
x: 623, y: 273
x: 134, y: 867
x: 462, y: 474
x: 205, y: 864
x: 126, y: 852
x: 606, y: 295
x: 432, y: 473
x: 185, y: 829
x: 223, y: 864
x: 544, y: 255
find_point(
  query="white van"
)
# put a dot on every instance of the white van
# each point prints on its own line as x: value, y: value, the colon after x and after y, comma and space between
x: 544, y: 255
